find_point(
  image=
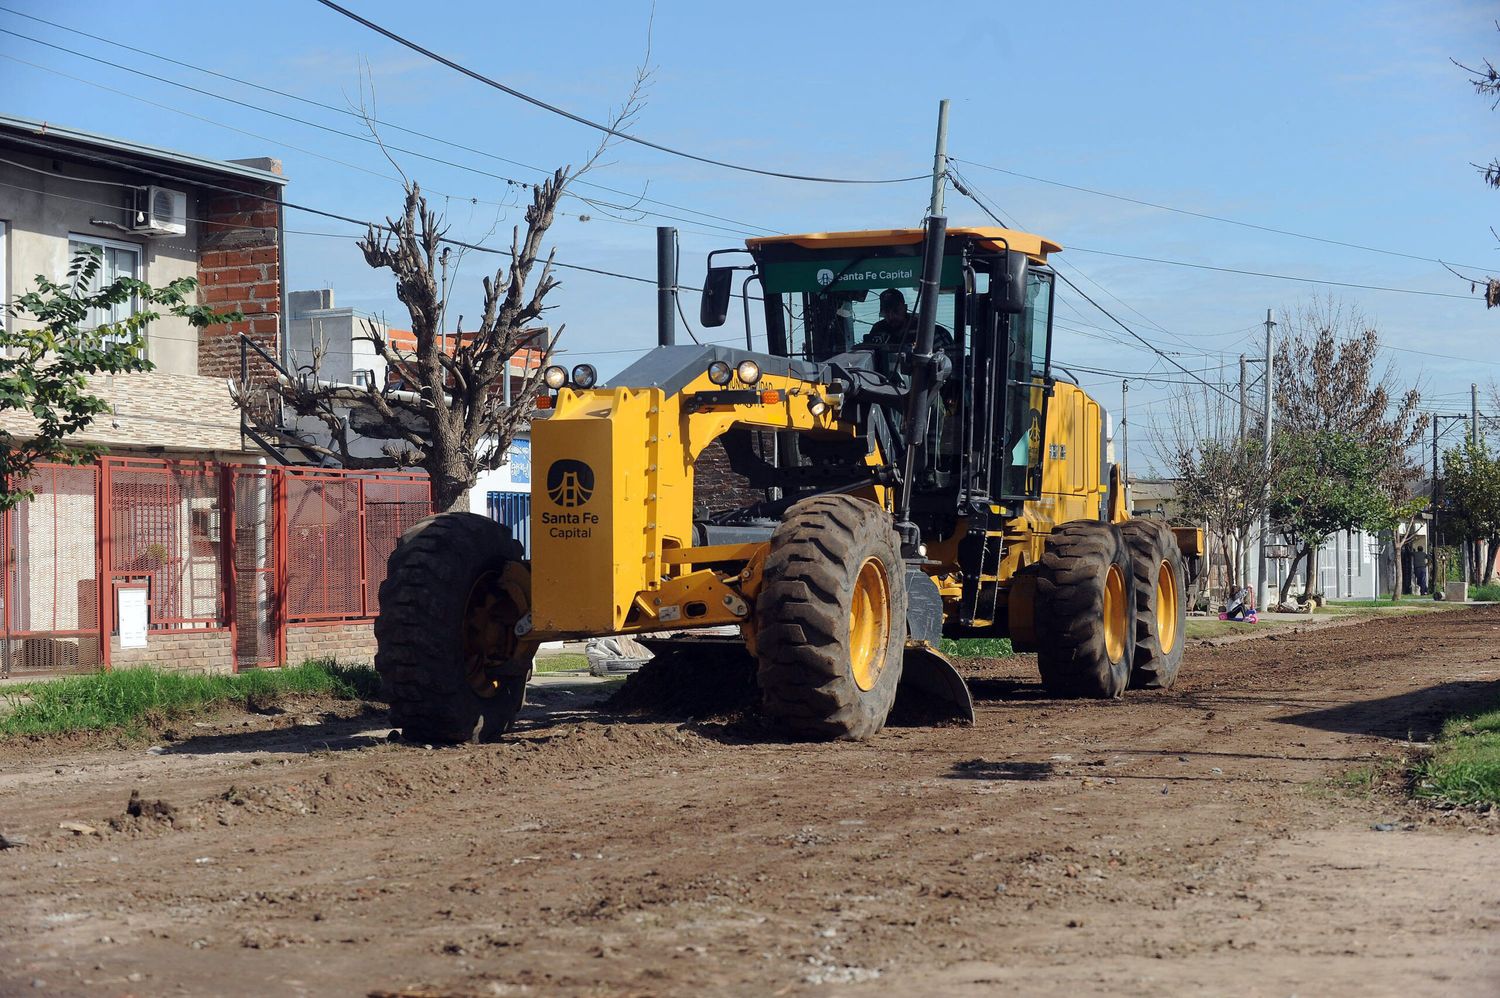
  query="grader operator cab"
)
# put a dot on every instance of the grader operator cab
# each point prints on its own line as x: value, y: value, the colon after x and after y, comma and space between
x: 910, y: 469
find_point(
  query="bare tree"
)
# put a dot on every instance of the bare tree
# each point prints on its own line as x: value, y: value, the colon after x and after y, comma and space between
x: 1485, y: 79
x: 1330, y: 379
x: 447, y: 410
x: 1222, y: 477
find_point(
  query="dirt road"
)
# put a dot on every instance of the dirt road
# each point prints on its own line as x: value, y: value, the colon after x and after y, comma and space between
x: 1188, y: 842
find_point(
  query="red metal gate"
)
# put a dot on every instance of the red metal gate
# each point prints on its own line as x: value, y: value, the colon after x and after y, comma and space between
x: 50, y: 620
x: 163, y: 529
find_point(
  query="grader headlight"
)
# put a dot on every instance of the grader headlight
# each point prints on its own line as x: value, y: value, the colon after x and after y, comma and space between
x: 720, y: 373
x: 584, y: 376
x: 555, y: 377
x: 748, y: 372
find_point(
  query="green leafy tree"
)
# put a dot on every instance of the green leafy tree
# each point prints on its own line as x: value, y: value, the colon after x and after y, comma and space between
x: 52, y: 347
x: 1327, y: 482
x: 1221, y: 474
x: 1401, y: 518
x: 1471, y: 501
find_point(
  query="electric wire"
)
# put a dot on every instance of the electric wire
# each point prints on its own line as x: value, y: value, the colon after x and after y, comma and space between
x: 1277, y: 277
x: 1209, y: 217
x: 367, y: 140
x: 606, y: 129
x: 356, y: 114
x: 971, y: 191
x: 1112, y: 317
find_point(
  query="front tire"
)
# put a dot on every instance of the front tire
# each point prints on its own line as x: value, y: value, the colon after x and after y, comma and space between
x: 1085, y: 611
x: 450, y: 661
x: 1160, y: 583
x: 831, y: 620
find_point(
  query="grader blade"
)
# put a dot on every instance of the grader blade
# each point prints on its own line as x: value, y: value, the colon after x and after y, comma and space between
x: 932, y: 688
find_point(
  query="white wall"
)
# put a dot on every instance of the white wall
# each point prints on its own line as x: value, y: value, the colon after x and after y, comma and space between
x: 512, y: 476
x: 41, y: 210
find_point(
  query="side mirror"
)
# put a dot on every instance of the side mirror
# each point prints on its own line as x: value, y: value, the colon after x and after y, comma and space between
x: 1008, y: 288
x: 718, y: 289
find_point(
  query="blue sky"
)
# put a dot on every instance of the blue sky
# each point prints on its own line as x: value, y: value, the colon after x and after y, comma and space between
x: 1339, y: 120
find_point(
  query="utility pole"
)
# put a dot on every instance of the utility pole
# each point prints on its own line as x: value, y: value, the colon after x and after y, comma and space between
x: 940, y: 161
x: 1244, y: 406
x: 1268, y: 412
x: 1473, y: 414
x: 1432, y: 526
x: 1125, y: 439
x: 1473, y: 442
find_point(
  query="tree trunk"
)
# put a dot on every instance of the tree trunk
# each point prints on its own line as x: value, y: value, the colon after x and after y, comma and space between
x: 1291, y: 573
x: 1396, y: 564
x: 1312, y: 570
x: 1489, y: 562
x: 450, y: 489
x: 1229, y: 562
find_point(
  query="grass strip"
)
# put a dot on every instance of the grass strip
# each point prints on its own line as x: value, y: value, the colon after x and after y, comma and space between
x: 560, y: 662
x: 127, y: 698
x: 1464, y: 767
x: 1486, y: 594
x: 977, y: 648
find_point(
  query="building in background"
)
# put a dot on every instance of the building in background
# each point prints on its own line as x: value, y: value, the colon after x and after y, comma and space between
x: 182, y: 548
x: 155, y: 215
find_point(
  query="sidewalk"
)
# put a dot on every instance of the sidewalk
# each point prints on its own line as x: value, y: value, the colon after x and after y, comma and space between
x: 1209, y: 630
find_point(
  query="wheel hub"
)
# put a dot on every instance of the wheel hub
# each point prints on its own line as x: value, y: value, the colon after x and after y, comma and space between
x: 1167, y: 597
x: 869, y: 624
x: 495, y: 605
x: 1114, y: 613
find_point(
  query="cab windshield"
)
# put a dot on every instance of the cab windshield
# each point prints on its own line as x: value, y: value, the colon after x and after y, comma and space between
x: 821, y: 325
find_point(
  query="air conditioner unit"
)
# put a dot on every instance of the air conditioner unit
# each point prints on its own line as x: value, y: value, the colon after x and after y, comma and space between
x: 160, y: 211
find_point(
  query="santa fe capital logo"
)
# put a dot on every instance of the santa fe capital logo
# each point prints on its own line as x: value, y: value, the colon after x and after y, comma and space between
x: 570, y: 483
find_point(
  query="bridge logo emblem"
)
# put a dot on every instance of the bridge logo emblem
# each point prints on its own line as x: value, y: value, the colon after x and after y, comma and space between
x: 825, y: 277
x: 570, y: 483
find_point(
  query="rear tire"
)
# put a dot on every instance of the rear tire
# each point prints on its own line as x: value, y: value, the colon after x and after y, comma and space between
x: 1160, y: 582
x: 450, y: 662
x: 831, y: 620
x: 1085, y: 611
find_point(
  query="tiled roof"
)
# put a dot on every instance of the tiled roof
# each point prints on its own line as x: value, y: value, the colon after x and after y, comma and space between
x: 155, y: 409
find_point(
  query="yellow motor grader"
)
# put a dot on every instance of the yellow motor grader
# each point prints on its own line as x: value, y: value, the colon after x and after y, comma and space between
x: 908, y: 467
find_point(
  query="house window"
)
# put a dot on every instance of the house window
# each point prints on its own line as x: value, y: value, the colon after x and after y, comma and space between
x: 117, y: 260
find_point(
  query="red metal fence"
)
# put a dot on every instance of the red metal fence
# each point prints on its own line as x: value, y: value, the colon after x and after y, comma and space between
x: 239, y: 550
x: 50, y: 621
x: 341, y: 528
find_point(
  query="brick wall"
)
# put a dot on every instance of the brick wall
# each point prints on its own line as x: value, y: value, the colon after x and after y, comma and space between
x: 348, y: 643
x: 718, y: 486
x: 185, y: 651
x: 239, y: 269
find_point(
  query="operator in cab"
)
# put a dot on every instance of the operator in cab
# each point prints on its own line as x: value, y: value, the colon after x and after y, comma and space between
x: 895, y: 319
x: 897, y: 327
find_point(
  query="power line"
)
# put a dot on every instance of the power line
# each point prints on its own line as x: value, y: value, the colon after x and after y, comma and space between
x: 221, y: 124
x: 104, y: 160
x: 606, y: 129
x: 1113, y: 318
x: 1278, y: 277
x: 400, y: 128
x: 1205, y: 215
x: 368, y: 140
x: 965, y: 187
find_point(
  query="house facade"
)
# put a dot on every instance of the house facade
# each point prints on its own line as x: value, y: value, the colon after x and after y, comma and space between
x: 184, y: 546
